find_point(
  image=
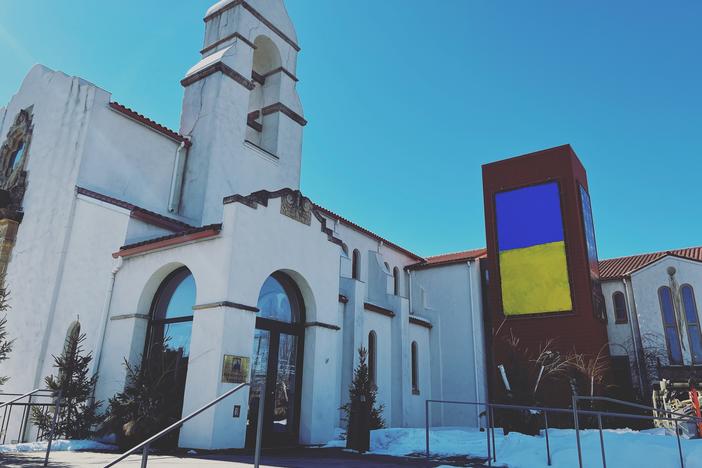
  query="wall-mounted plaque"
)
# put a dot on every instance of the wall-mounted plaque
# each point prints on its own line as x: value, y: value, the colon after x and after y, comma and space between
x: 235, y: 369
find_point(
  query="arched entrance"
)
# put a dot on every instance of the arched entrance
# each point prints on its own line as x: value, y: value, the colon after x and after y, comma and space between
x: 167, y: 348
x: 277, y: 362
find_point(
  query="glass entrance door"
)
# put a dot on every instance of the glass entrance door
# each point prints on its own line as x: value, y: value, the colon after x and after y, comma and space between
x: 277, y: 363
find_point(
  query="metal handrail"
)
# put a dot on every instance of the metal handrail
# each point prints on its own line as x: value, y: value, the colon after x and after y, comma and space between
x: 145, y: 445
x: 639, y: 406
x: 2, y: 405
x: 575, y: 411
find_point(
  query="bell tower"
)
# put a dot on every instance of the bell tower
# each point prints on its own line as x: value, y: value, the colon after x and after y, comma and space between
x: 241, y: 109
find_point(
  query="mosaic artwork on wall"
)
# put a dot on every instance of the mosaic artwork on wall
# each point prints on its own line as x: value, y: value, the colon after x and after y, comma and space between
x: 532, y: 254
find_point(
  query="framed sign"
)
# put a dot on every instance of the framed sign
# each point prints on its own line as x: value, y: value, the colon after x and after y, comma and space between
x: 235, y: 369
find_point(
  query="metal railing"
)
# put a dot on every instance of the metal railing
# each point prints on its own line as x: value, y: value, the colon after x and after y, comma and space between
x: 574, y: 411
x: 145, y: 445
x: 27, y: 407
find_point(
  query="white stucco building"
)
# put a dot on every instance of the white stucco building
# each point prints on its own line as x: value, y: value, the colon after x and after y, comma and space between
x: 136, y: 233
x: 653, y: 317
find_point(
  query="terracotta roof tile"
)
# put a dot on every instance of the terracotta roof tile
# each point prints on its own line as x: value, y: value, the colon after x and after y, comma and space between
x: 194, y: 233
x: 450, y: 258
x: 134, y: 115
x: 138, y: 212
x: 615, y: 268
x: 365, y: 231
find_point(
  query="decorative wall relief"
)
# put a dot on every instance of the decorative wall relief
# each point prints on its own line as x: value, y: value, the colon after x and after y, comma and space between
x: 14, y: 153
x: 296, y: 206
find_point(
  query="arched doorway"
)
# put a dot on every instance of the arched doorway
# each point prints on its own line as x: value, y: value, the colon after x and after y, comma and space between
x: 277, y: 362
x: 167, y: 348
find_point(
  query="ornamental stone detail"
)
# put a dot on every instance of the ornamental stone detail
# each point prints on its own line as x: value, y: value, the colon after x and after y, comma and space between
x: 14, y: 153
x: 294, y: 205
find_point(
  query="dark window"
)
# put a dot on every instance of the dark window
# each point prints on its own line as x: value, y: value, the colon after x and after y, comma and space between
x: 693, y: 323
x: 274, y: 302
x: 415, y: 369
x: 356, y: 265
x: 396, y: 281
x: 16, y: 158
x: 372, y: 357
x: 670, y: 327
x: 172, y: 316
x: 620, y: 315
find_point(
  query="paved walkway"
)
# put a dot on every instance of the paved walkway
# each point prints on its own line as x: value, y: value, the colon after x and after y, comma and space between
x: 299, y: 458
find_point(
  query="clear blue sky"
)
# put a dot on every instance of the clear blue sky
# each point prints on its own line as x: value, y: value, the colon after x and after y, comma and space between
x: 406, y: 99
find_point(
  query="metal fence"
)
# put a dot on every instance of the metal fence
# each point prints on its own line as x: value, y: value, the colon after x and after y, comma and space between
x: 575, y: 411
x: 37, y: 400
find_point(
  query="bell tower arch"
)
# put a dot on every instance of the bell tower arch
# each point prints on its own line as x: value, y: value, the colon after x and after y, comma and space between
x: 241, y: 109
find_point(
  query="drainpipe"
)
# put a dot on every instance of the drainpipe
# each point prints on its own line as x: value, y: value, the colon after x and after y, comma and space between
x: 177, y: 179
x: 469, y: 264
x: 634, y: 314
x: 105, y: 316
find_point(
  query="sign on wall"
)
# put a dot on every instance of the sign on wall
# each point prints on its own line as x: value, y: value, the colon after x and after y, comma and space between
x: 531, y: 250
x: 235, y: 369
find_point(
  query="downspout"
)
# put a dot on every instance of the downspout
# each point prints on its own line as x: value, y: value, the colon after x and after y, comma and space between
x: 105, y: 316
x: 469, y: 264
x: 634, y: 315
x: 177, y: 179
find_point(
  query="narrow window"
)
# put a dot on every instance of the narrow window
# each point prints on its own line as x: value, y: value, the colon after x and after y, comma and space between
x: 620, y: 315
x: 415, y: 369
x: 672, y: 335
x: 396, y: 281
x: 693, y: 323
x: 372, y: 357
x: 356, y: 265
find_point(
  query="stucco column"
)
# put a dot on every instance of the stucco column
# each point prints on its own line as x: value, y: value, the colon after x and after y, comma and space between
x: 219, y: 329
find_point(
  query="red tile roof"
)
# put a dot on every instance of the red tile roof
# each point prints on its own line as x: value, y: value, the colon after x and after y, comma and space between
x: 615, y: 268
x: 450, y: 258
x: 137, y: 212
x: 188, y: 235
x: 365, y: 231
x: 134, y: 115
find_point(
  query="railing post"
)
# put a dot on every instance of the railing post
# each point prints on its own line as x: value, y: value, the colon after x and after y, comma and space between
x: 259, y: 425
x: 494, y: 449
x: 677, y: 435
x: 548, y: 447
x: 145, y: 455
x: 57, y: 409
x: 576, y: 425
x: 487, y: 431
x: 599, y: 423
x: 426, y: 425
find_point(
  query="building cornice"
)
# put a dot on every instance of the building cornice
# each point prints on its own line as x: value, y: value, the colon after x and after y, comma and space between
x: 220, y: 67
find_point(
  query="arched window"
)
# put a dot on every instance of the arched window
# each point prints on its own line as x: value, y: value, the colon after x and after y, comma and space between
x: 619, y: 303
x: 693, y: 322
x: 16, y: 158
x: 670, y: 327
x: 373, y: 357
x: 396, y: 281
x: 274, y: 301
x: 171, y: 321
x: 356, y: 265
x: 261, y: 128
x: 415, y: 369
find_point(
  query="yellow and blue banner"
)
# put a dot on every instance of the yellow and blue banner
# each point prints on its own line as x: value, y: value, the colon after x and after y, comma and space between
x: 532, y: 255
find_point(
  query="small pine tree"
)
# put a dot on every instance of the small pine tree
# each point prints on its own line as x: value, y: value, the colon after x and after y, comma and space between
x: 361, y: 386
x: 77, y: 414
x: 151, y: 400
x: 5, y: 342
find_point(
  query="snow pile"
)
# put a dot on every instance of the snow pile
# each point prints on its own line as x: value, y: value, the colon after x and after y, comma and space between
x: 57, y: 446
x: 624, y: 448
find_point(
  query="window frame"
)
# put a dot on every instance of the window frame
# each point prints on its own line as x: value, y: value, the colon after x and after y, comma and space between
x: 415, y: 367
x: 674, y: 326
x: 373, y: 358
x: 687, y: 322
x: 617, y: 319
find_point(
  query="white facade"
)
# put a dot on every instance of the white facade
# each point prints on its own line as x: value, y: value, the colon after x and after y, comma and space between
x: 115, y: 204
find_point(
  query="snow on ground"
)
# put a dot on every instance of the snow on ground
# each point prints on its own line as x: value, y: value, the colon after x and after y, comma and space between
x: 57, y: 446
x: 624, y: 448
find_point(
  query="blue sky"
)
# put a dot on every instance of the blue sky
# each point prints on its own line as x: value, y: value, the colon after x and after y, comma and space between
x: 406, y: 99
